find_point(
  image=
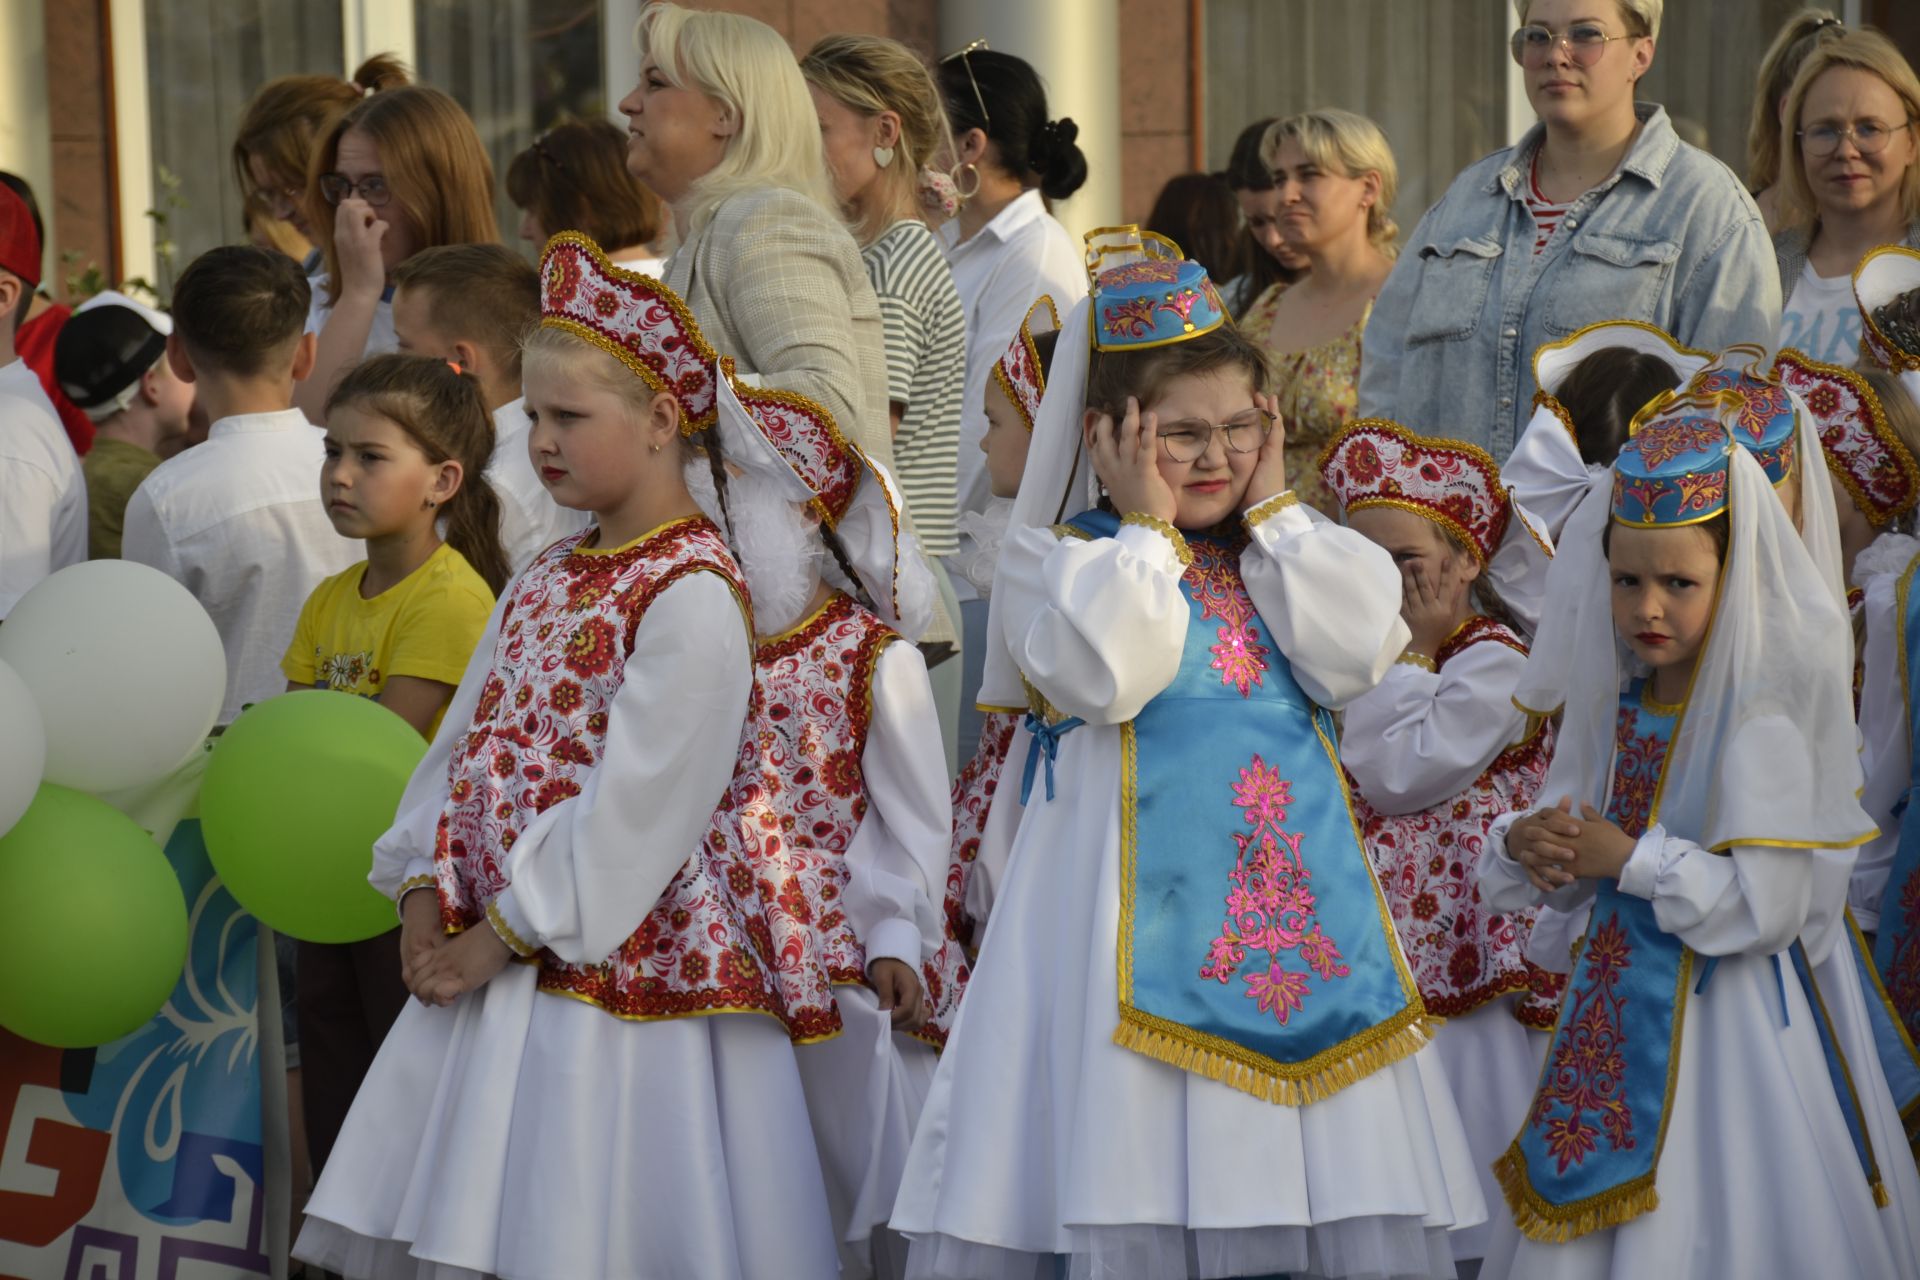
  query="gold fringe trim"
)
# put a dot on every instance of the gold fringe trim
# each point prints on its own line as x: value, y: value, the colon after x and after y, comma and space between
x: 1269, y: 1084
x: 1540, y: 1219
x: 1880, y: 1197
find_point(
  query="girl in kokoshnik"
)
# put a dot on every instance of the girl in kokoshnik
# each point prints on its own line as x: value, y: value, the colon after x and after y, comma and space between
x: 1867, y: 422
x: 840, y: 797
x: 572, y: 1114
x: 1695, y: 1104
x: 1015, y: 386
x: 1436, y: 751
x: 1223, y: 1073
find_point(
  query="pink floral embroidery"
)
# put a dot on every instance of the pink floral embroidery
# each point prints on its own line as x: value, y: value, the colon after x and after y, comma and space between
x: 1130, y: 319
x: 1587, y: 1069
x: 1214, y: 575
x: 1902, y: 977
x: 1270, y: 904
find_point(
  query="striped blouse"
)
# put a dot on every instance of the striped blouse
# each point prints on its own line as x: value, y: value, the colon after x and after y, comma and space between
x: 924, y: 331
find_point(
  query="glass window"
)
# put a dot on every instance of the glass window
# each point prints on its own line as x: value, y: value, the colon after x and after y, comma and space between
x: 517, y: 66
x: 205, y: 60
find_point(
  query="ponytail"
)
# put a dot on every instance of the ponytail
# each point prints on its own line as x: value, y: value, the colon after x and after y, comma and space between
x: 838, y: 551
x: 442, y: 412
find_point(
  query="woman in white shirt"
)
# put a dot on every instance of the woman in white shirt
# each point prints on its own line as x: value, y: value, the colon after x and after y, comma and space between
x: 1849, y: 185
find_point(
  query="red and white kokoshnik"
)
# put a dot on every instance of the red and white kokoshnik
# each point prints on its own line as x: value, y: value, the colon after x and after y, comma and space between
x: 1862, y: 450
x: 1376, y: 463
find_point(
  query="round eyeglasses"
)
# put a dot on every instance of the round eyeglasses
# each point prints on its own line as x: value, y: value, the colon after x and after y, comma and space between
x: 1870, y: 137
x: 1584, y: 42
x: 1188, y: 440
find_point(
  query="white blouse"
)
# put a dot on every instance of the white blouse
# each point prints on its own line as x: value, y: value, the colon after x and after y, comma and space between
x: 1419, y: 738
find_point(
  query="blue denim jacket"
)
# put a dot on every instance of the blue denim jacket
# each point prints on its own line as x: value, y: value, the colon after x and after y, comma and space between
x: 1672, y: 238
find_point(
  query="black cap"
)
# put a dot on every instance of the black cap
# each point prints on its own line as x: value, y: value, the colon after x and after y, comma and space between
x: 102, y: 351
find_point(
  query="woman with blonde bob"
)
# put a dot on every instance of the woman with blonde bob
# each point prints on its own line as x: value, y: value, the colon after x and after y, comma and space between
x: 1334, y: 174
x: 721, y: 128
x: 401, y: 172
x: 1849, y: 183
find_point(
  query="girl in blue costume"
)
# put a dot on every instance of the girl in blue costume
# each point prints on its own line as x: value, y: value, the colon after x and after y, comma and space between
x: 1192, y: 1046
x: 1695, y: 1117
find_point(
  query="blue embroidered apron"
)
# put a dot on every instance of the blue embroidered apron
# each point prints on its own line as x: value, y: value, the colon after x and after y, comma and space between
x: 1896, y: 950
x: 1255, y: 947
x: 1586, y: 1156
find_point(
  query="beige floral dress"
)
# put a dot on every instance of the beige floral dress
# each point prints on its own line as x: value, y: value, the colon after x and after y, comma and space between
x: 1318, y: 391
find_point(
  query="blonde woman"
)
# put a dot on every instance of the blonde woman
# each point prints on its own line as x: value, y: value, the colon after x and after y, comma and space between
x: 1600, y: 212
x: 1335, y: 180
x: 1804, y: 32
x: 1849, y: 184
x: 720, y: 127
x: 400, y: 172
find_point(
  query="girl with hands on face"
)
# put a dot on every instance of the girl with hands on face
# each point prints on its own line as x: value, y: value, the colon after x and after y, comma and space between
x: 1178, y: 645
x: 1702, y: 818
x: 1437, y: 751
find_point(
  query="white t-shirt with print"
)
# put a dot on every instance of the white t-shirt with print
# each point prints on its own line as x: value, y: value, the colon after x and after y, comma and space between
x: 1822, y: 318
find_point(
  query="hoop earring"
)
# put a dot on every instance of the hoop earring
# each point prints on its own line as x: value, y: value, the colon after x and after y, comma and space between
x: 962, y: 192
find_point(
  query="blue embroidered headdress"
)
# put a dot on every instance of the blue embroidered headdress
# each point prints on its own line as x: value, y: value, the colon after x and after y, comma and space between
x: 1146, y: 292
x: 1762, y: 414
x: 1674, y: 469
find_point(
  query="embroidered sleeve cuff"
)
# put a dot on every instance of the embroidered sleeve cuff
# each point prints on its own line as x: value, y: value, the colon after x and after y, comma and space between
x: 1271, y: 507
x: 1643, y: 867
x: 894, y: 940
x: 407, y: 886
x: 1135, y: 519
x: 1420, y: 660
x: 507, y: 923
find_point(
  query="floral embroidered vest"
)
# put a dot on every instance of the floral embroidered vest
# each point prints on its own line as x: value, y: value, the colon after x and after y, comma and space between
x: 1462, y: 954
x: 800, y: 794
x: 536, y: 736
x: 973, y: 794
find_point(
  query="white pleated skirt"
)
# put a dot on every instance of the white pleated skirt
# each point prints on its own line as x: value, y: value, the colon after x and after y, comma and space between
x: 1493, y: 1063
x: 534, y: 1137
x: 1042, y: 1138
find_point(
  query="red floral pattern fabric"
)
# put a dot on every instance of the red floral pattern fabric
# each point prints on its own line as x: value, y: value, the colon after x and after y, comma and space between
x: 536, y: 737
x: 1461, y: 953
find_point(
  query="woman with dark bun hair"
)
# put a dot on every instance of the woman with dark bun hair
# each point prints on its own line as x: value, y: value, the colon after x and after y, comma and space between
x: 1004, y: 246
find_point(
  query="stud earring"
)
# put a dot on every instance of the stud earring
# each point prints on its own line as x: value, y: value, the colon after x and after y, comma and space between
x: 883, y: 156
x: 653, y: 448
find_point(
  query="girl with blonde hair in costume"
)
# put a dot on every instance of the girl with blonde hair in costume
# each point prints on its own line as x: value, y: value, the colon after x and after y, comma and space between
x: 597, y: 1075
x: 1700, y: 810
x: 1223, y: 1071
x: 1437, y: 751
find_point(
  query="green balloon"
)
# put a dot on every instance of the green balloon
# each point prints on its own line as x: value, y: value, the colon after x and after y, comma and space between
x: 97, y: 932
x: 297, y: 790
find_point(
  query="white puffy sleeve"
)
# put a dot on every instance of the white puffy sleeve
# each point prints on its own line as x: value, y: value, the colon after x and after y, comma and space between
x: 403, y: 857
x: 585, y: 873
x: 1885, y: 748
x: 1417, y: 738
x: 897, y: 860
x: 1330, y: 597
x: 1098, y: 626
x: 1754, y: 900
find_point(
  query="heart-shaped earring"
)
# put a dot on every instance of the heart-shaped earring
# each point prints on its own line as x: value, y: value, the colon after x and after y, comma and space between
x: 883, y: 156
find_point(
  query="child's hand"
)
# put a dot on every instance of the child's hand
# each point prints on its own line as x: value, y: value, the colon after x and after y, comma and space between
x: 462, y: 964
x: 1269, y: 478
x: 898, y: 987
x: 1539, y: 842
x: 1601, y: 849
x: 420, y: 932
x: 1433, y: 605
x: 1126, y: 458
x: 357, y: 231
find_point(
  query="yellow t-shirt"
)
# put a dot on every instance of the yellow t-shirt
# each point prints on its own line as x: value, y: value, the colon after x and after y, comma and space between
x: 425, y: 626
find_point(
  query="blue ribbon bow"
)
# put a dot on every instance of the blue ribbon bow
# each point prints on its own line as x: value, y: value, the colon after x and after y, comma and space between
x: 1046, y: 738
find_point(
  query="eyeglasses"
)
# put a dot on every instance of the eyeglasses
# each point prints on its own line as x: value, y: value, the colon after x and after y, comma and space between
x: 1190, y: 438
x: 1869, y: 136
x: 1533, y: 44
x: 336, y: 187
x: 977, y: 46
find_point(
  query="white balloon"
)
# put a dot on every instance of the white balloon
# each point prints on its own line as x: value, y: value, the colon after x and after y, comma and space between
x: 23, y: 747
x: 126, y: 667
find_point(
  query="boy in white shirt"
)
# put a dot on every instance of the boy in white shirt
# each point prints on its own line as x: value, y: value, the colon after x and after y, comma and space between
x: 238, y: 520
x: 43, y: 501
x: 471, y: 304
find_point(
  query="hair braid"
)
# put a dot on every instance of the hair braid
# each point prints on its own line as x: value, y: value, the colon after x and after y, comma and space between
x: 838, y: 550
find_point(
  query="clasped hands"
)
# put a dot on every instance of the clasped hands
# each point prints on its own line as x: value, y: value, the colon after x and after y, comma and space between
x: 438, y: 969
x: 1557, y: 848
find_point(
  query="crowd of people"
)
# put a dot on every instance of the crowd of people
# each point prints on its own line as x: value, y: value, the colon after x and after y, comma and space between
x: 1259, y: 745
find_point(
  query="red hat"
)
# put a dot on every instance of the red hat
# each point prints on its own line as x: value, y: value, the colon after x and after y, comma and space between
x: 19, y: 242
